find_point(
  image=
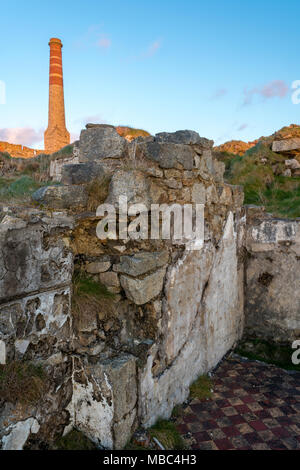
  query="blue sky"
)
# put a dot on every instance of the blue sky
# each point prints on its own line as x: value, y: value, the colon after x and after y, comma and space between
x: 222, y: 68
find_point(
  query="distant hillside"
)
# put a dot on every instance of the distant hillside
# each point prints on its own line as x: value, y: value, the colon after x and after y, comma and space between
x: 131, y: 133
x: 236, y: 147
x: 269, y: 178
x: 18, y: 151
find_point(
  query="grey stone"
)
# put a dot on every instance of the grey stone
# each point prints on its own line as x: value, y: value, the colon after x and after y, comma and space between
x: 198, y: 193
x: 286, y: 145
x: 61, y: 197
x: 121, y: 373
x: 205, y: 164
x: 183, y: 137
x: 110, y: 279
x: 211, y: 195
x: 142, y: 263
x: 219, y: 169
x: 293, y: 164
x: 13, y: 222
x: 81, y: 173
x: 27, y: 264
x: 99, y: 142
x: 133, y: 184
x: 141, y: 291
x: 167, y: 155
x: 173, y: 184
x: 238, y: 195
x: 225, y: 194
x: 98, y: 267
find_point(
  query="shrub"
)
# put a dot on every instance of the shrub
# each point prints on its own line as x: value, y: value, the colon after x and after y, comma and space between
x: 258, y: 172
x: 22, y: 381
x: 89, y: 294
x: 201, y: 388
x: 168, y: 435
x: 74, y: 440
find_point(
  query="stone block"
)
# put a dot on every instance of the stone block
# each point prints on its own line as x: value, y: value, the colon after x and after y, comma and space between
x: 141, y: 291
x: 167, y: 155
x: 97, y: 267
x: 186, y: 137
x: 101, y: 142
x: 62, y: 197
x: 142, y: 263
x: 81, y: 173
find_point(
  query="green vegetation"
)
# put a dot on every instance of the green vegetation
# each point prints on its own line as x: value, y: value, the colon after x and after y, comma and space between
x: 267, y: 351
x: 177, y: 411
x: 167, y: 434
x: 201, y: 388
x: 259, y: 171
x: 63, y: 152
x: 18, y: 189
x: 89, y: 294
x: 132, y: 446
x: 86, y: 286
x: 74, y: 440
x: 22, y: 381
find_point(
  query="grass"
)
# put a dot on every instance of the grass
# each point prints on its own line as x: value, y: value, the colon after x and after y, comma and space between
x: 282, y: 197
x: 74, y: 440
x: 22, y: 382
x: 89, y: 294
x: 201, y: 388
x: 167, y: 434
x: 259, y: 171
x: 64, y: 152
x: 18, y: 189
x: 267, y: 351
x: 177, y: 411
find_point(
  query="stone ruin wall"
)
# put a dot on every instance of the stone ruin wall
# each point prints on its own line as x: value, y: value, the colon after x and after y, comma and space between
x: 175, y: 313
x: 272, y: 277
x: 56, y: 165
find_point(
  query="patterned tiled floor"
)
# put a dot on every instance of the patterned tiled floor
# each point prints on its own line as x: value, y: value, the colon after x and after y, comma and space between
x: 254, y: 406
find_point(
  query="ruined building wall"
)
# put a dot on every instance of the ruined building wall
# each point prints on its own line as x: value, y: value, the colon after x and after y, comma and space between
x: 272, y: 277
x: 174, y: 312
x: 35, y: 322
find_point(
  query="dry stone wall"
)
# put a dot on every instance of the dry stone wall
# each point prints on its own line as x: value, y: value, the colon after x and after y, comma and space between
x: 173, y: 313
x: 176, y: 312
x: 35, y: 322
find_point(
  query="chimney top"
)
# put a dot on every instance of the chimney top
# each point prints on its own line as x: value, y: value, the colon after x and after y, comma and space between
x: 55, y: 41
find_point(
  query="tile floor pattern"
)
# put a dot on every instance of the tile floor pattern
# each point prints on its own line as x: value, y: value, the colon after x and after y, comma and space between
x: 254, y: 407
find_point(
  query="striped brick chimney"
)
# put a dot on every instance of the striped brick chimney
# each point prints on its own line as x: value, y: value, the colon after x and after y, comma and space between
x: 56, y: 136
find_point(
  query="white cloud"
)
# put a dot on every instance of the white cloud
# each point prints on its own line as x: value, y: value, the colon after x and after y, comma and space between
x: 21, y: 135
x: 219, y: 93
x: 104, y: 42
x: 275, y: 88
